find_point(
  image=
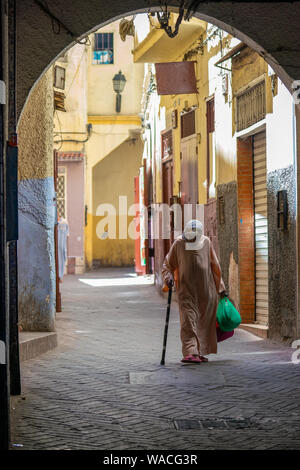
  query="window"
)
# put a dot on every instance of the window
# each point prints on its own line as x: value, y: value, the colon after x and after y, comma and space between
x: 167, y: 144
x: 103, y: 48
x: 251, y: 106
x: 59, y: 77
x: 61, y: 192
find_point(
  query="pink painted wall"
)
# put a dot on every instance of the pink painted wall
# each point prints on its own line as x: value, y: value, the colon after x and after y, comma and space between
x: 75, y: 206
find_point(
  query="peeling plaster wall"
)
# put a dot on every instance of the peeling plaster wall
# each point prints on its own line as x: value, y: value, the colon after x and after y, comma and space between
x: 36, y: 261
x: 282, y: 258
x: 228, y: 239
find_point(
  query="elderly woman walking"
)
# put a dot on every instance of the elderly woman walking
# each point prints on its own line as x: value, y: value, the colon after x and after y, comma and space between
x: 193, y: 262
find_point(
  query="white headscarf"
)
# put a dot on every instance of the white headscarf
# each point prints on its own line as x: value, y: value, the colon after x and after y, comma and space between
x: 193, y: 231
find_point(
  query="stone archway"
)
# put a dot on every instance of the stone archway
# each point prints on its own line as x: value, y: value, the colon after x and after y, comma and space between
x: 270, y: 29
x: 40, y: 41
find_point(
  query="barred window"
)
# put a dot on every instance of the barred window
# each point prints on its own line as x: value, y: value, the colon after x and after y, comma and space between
x: 61, y: 194
x: 103, y: 48
x: 251, y: 106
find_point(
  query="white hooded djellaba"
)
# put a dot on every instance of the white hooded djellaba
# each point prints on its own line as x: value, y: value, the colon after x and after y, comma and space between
x: 199, y: 281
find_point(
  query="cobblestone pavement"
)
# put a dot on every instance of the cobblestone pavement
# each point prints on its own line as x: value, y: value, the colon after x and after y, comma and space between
x: 103, y: 387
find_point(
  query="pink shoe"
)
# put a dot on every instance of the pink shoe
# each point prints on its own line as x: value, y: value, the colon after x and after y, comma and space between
x: 203, y: 359
x: 191, y: 359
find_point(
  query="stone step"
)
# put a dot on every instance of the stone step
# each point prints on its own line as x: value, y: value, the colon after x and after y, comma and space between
x: 32, y: 344
x: 259, y: 330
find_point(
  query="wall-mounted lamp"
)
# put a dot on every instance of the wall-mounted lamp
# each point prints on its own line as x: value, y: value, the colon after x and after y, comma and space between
x: 119, y: 81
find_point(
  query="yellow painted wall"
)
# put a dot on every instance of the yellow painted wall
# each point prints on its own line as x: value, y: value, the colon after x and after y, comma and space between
x: 179, y: 102
x: 107, y: 148
x: 68, y: 124
x: 247, y: 67
x: 101, y: 96
x: 88, y: 240
x: 107, y: 135
x: 208, y: 79
x: 113, y: 177
x: 157, y: 47
x: 223, y: 144
x: 90, y: 99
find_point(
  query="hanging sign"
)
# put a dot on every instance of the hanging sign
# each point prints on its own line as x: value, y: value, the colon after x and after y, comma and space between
x: 176, y: 78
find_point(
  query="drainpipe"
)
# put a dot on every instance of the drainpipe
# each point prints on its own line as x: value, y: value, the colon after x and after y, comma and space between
x: 4, y: 376
x: 12, y: 206
x: 296, y: 165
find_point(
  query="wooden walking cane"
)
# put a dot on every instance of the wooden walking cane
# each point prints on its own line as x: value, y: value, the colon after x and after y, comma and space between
x: 162, y: 362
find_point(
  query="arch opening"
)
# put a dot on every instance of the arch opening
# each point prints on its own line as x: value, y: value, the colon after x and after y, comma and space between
x: 222, y: 166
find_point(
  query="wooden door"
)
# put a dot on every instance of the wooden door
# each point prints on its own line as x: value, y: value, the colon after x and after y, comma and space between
x: 189, y: 173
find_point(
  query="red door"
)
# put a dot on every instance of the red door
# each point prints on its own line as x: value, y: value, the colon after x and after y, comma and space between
x: 139, y: 269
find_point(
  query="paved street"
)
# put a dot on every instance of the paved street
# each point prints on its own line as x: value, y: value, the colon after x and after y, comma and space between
x: 103, y: 387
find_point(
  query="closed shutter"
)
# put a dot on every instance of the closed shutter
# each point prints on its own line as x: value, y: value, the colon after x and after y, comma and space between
x: 261, y: 227
x: 188, y: 124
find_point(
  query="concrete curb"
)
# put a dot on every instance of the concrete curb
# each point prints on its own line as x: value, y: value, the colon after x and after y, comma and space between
x: 32, y: 344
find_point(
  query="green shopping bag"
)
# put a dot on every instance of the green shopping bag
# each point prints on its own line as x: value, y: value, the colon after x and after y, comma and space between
x: 228, y: 317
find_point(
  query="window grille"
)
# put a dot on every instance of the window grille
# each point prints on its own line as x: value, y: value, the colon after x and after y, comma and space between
x: 61, y: 195
x: 251, y: 106
x: 103, y: 48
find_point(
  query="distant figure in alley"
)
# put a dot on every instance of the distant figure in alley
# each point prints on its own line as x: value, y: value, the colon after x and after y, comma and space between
x: 193, y: 263
x: 63, y: 233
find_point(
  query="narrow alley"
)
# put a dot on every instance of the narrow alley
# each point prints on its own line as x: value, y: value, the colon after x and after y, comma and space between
x: 103, y: 387
x: 149, y: 157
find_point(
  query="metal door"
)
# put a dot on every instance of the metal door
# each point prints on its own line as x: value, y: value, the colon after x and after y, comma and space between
x: 261, y: 227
